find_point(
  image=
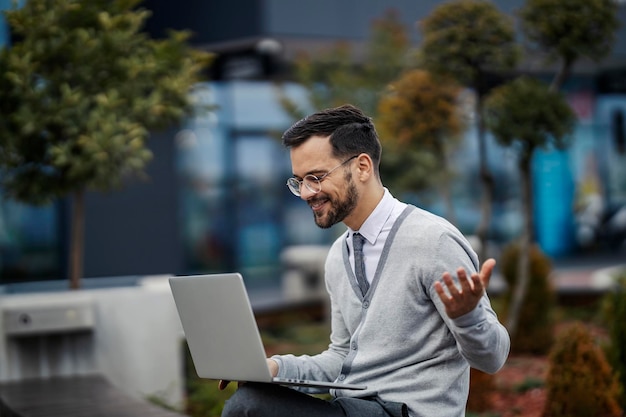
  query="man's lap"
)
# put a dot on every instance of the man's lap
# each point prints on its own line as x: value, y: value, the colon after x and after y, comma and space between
x: 268, y: 400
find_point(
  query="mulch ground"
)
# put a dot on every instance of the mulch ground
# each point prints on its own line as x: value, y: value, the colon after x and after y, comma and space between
x: 519, y: 389
x: 508, y: 398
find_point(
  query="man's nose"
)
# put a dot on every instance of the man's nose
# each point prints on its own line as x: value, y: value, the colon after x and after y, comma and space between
x: 305, y: 193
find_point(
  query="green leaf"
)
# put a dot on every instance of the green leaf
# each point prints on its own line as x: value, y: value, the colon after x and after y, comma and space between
x: 81, y: 89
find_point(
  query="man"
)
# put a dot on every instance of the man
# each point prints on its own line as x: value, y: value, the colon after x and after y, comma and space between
x: 400, y: 323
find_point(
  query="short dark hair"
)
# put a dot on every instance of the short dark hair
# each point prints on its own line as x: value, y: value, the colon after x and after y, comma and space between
x: 351, y: 132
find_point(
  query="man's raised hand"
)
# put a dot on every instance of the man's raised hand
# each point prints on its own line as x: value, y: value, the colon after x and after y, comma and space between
x: 460, y: 301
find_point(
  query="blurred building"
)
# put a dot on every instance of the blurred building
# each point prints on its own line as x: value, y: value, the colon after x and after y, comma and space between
x: 216, y: 198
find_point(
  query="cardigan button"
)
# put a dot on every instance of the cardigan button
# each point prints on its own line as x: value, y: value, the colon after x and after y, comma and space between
x: 366, y: 304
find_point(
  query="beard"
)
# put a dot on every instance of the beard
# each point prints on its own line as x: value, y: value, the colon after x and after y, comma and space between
x: 339, y: 209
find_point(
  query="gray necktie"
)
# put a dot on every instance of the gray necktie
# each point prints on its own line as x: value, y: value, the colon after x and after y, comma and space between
x: 359, y: 263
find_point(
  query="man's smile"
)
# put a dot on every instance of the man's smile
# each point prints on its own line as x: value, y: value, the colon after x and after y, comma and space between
x: 317, y: 203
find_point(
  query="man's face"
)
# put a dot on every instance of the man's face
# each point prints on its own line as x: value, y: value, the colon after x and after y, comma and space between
x: 339, y: 194
x: 332, y: 208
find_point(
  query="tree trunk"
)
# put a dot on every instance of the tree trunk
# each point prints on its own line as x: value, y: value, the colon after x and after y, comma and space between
x: 77, y: 239
x: 446, y: 193
x: 482, y: 231
x: 562, y: 75
x: 523, y: 267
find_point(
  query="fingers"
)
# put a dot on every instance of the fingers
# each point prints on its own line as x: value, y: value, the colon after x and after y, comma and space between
x: 273, y: 366
x: 462, y: 296
x: 488, y: 266
x: 452, y: 292
x: 477, y: 282
x: 486, y: 270
x: 467, y: 284
x: 440, y: 291
x: 222, y: 384
x: 451, y: 286
x: 454, y: 299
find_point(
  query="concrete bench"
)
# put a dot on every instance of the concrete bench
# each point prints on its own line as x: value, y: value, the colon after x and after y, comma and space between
x: 89, y: 395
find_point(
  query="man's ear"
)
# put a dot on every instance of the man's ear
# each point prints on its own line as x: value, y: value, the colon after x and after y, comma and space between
x: 365, y: 166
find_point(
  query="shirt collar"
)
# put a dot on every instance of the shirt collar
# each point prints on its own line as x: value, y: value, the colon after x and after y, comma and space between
x: 372, y: 226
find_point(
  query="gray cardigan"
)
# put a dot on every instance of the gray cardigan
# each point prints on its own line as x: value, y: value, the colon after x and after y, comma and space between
x: 397, y: 339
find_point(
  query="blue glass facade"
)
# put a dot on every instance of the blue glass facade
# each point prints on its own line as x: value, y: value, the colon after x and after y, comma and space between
x: 587, y: 177
x: 227, y: 169
x: 30, y: 241
x: 30, y: 237
x: 235, y: 211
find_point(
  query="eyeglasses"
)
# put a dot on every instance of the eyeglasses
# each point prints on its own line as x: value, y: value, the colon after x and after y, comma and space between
x: 311, y: 182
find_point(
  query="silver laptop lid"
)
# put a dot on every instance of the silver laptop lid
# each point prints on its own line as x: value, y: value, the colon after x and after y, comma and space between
x: 220, y: 327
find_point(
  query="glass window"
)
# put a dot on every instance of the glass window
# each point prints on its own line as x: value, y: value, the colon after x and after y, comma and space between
x: 29, y: 242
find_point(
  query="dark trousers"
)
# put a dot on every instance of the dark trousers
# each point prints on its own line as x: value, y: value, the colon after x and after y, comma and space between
x: 269, y: 400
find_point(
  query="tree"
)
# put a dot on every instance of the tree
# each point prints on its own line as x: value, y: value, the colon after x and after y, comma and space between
x: 468, y: 40
x: 332, y: 78
x: 79, y: 92
x: 526, y: 116
x: 337, y: 76
x: 420, y: 111
x: 564, y: 32
x: 568, y: 30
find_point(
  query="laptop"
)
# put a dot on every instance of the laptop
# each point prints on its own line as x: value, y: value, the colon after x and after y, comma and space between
x: 222, y: 333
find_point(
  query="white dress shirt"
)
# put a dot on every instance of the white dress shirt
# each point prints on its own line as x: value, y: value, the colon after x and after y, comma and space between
x: 375, y: 230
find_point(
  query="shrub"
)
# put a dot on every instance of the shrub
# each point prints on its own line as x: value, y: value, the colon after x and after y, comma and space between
x: 534, y: 333
x: 580, y: 382
x: 529, y: 384
x: 614, y: 314
x: 206, y: 400
x: 203, y: 398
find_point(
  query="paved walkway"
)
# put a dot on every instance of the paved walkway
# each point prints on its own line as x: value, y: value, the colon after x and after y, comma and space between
x: 588, y: 272
x: 591, y: 273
